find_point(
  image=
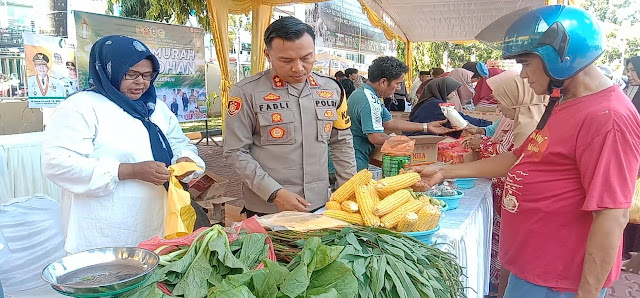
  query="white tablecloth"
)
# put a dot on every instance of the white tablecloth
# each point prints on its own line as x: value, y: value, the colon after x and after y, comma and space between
x: 20, y: 168
x: 466, y: 232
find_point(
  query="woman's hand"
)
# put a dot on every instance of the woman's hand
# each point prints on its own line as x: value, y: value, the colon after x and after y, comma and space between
x: 431, y: 175
x: 154, y: 172
x: 473, y: 142
x: 187, y: 174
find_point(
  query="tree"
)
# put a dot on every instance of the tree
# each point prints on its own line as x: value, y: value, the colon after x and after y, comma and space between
x: 427, y: 55
x: 168, y: 11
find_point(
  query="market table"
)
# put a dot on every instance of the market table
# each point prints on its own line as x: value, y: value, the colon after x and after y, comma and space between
x: 466, y: 232
x: 20, y: 167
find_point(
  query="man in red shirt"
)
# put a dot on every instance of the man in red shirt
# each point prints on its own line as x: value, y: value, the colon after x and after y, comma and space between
x: 569, y: 186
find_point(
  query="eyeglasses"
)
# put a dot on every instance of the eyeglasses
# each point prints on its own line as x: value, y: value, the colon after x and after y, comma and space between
x: 147, y: 76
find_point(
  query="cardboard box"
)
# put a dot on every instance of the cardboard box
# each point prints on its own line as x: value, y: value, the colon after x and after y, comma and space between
x: 233, y: 214
x: 397, y: 115
x: 490, y: 116
x: 216, y: 208
x: 487, y: 109
x: 208, y: 186
x: 424, y: 152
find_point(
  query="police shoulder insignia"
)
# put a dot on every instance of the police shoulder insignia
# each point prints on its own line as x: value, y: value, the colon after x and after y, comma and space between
x: 271, y: 97
x: 235, y: 104
x: 312, y: 81
x: 277, y: 132
x: 278, y: 82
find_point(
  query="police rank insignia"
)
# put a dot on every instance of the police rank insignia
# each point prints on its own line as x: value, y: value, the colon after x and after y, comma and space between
x: 277, y: 132
x: 271, y: 97
x: 329, y: 113
x: 327, y: 128
x: 325, y: 94
x: 235, y: 104
x: 277, y: 82
x: 312, y: 81
x: 276, y: 118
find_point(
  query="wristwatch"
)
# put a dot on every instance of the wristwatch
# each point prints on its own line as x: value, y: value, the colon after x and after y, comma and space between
x: 425, y: 127
x: 272, y: 197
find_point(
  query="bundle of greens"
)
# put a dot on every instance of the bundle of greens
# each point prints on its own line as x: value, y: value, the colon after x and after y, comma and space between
x: 385, y: 263
x: 192, y: 270
x: 313, y: 273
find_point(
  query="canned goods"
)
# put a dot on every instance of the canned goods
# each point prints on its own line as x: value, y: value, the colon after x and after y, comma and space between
x: 391, y: 165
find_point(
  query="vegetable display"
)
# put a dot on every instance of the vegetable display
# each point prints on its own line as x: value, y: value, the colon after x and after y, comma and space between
x: 385, y: 263
x: 398, y: 204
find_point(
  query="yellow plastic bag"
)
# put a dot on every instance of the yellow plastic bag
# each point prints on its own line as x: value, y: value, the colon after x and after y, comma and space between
x: 634, y: 212
x: 181, y: 217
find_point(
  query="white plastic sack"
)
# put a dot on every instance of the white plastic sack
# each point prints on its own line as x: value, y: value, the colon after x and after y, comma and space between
x: 32, y: 229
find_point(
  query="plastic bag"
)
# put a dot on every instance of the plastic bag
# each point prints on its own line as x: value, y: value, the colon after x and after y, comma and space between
x: 253, y: 226
x: 181, y: 217
x: 634, y: 212
x: 398, y: 146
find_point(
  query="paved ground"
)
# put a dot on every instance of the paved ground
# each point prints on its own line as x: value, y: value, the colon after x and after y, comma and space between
x: 627, y: 287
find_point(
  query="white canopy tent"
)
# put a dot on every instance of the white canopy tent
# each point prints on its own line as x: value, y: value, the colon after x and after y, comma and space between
x: 443, y: 20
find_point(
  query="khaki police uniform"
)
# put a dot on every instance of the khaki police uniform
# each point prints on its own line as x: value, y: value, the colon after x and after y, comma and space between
x: 276, y: 138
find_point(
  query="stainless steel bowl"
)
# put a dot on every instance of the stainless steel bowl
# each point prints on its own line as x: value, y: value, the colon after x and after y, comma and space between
x: 100, y: 271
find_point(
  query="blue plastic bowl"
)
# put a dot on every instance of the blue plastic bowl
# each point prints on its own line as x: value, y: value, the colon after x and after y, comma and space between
x: 452, y: 201
x: 465, y: 183
x: 425, y: 237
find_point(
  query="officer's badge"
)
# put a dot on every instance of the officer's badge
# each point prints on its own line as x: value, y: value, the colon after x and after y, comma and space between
x: 271, y: 97
x: 312, y: 81
x: 235, y: 104
x: 325, y: 94
x: 327, y: 128
x: 277, y: 132
x: 329, y: 113
x: 278, y: 82
x: 276, y: 118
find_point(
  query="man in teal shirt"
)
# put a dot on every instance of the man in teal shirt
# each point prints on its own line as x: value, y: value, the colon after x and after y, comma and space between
x: 369, y: 117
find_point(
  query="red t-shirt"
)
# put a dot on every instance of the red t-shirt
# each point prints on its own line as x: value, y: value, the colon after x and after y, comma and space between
x: 585, y: 159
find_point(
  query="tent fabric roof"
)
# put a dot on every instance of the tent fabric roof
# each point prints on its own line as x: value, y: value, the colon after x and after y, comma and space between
x: 444, y: 20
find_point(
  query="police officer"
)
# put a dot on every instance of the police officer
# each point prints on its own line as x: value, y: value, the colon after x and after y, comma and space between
x: 42, y: 84
x: 279, y: 123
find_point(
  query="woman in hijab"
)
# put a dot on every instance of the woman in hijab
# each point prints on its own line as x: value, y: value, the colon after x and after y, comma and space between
x: 479, y: 70
x: 484, y: 94
x: 521, y: 109
x: 466, y: 92
x: 633, y: 72
x: 428, y: 107
x: 108, y: 148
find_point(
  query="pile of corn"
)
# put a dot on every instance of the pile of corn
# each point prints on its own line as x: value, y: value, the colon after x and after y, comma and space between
x: 388, y: 203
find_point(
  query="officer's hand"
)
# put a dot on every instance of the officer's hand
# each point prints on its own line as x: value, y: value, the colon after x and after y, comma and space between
x: 150, y: 171
x: 288, y: 201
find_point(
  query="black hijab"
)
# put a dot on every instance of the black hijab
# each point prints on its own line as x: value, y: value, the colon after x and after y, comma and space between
x: 110, y: 59
x: 439, y: 89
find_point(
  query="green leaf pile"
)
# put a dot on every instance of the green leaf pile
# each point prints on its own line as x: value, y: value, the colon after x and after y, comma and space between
x: 314, y: 273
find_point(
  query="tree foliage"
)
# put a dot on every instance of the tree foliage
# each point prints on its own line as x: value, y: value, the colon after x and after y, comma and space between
x: 168, y: 11
x: 427, y: 55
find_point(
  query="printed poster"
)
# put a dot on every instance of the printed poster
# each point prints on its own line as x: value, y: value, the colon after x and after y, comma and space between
x: 51, y: 70
x: 179, y: 49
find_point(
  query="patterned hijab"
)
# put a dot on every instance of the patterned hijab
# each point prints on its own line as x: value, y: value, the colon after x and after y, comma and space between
x: 110, y: 59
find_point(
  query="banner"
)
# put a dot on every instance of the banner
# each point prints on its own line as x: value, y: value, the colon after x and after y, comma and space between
x: 51, y: 70
x: 179, y: 49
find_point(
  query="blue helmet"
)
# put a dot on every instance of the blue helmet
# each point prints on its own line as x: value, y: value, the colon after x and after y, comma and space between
x: 567, y: 38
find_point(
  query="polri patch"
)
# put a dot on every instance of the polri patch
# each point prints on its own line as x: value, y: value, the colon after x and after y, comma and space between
x: 277, y: 132
x: 235, y: 104
x: 271, y: 97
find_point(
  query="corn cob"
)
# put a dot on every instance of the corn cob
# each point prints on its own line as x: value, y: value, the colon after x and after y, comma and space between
x: 407, y: 223
x: 352, y: 218
x: 392, y: 202
x: 391, y: 220
x: 428, y: 218
x: 374, y: 193
x: 424, y: 199
x: 346, y: 191
x: 392, y: 184
x: 349, y: 206
x: 366, y: 198
x: 333, y: 205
